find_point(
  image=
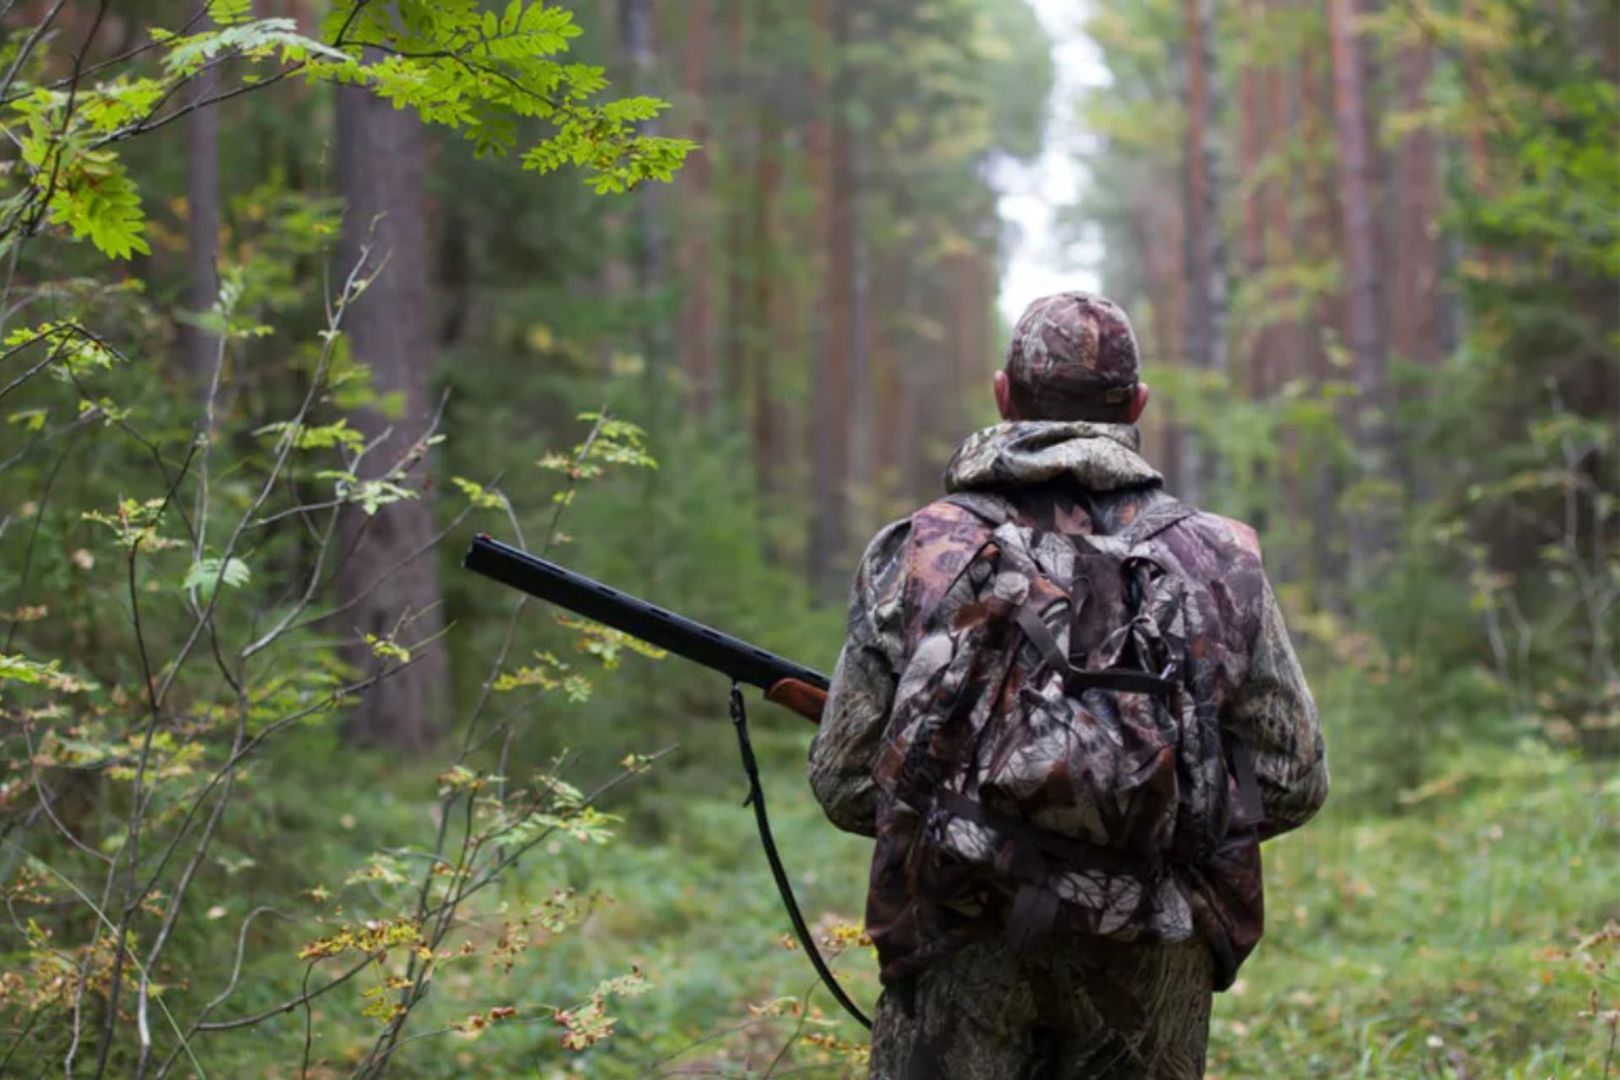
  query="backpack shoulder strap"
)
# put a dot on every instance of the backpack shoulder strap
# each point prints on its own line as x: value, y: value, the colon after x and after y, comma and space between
x: 947, y: 537
x: 1162, y: 514
x: 993, y: 510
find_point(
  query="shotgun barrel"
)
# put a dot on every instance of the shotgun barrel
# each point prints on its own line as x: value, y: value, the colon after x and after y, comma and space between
x: 601, y: 603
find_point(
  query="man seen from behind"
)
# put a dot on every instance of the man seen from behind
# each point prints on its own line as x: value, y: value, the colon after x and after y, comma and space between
x: 1068, y: 711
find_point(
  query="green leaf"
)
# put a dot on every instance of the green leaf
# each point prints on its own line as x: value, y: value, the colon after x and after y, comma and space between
x: 206, y: 573
x: 31, y: 419
x: 481, y: 497
x: 15, y: 667
x: 229, y: 12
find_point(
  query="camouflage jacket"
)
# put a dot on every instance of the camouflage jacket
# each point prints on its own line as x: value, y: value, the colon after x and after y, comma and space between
x: 1246, y: 674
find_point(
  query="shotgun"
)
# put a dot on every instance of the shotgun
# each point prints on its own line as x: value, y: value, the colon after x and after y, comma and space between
x: 791, y: 685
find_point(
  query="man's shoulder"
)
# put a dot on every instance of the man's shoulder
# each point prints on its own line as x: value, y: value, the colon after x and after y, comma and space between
x: 1221, y: 553
x: 952, y: 519
x: 1228, y: 532
x: 1220, y: 538
x: 916, y: 555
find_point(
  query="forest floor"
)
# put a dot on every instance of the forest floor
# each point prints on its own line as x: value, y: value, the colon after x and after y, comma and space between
x: 1440, y: 940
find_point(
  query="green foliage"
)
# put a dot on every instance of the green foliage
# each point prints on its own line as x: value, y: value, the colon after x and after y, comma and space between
x: 456, y: 65
x: 168, y: 587
x: 206, y: 575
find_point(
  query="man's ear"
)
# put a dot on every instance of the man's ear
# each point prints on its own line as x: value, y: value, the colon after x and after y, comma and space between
x: 1003, y: 391
x: 1138, y: 403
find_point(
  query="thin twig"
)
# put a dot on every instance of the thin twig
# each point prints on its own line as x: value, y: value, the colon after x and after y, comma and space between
x: 28, y: 48
x: 132, y: 844
x: 106, y: 923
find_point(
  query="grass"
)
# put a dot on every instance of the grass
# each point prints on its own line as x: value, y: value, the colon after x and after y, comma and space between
x: 1441, y: 940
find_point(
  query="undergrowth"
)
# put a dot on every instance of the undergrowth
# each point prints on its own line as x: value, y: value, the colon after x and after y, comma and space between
x: 1458, y: 937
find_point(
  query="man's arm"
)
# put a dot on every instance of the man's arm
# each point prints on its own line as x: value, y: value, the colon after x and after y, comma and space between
x: 851, y: 733
x: 1273, y: 712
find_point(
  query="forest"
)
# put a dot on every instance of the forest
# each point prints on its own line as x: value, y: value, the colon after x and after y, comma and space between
x: 298, y: 296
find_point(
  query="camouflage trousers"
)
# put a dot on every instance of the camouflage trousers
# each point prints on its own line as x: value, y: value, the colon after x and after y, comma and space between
x: 1102, y: 1013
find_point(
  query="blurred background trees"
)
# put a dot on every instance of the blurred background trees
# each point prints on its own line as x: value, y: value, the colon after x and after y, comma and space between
x: 1407, y: 186
x: 282, y: 326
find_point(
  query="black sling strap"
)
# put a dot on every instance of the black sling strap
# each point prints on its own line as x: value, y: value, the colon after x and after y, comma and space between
x: 756, y: 799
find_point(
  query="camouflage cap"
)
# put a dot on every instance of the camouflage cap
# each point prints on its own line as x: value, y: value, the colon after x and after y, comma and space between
x: 1073, y: 356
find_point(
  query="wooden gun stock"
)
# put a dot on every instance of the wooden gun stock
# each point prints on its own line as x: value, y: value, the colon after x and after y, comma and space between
x: 806, y: 700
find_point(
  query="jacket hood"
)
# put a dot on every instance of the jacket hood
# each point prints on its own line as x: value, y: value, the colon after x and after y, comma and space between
x: 1020, y: 453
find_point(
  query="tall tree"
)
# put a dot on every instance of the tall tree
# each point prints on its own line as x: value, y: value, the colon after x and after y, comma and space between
x: 830, y: 147
x: 1320, y: 234
x: 695, y: 339
x: 1204, y: 260
x: 637, y: 27
x: 765, y: 310
x: 740, y: 135
x: 388, y: 582
x: 1417, y: 308
x: 1363, y: 275
x: 1253, y: 134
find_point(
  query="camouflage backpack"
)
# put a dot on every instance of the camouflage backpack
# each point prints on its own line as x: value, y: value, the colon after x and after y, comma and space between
x: 1045, y: 737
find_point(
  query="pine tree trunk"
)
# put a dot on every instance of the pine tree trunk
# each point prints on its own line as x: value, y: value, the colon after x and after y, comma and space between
x: 1280, y: 339
x: 1363, y: 322
x: 740, y: 131
x: 1203, y: 263
x: 1251, y: 149
x: 829, y: 147
x: 696, y: 335
x: 388, y: 580
x: 860, y: 406
x: 763, y: 316
x: 647, y: 241
x: 889, y: 299
x: 1320, y: 242
x: 970, y: 279
x: 1162, y: 228
x: 1416, y: 333
x: 1289, y: 362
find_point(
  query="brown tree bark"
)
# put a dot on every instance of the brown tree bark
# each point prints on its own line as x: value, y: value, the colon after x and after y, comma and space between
x: 637, y: 39
x: 971, y: 281
x: 388, y: 580
x: 1320, y: 242
x: 740, y: 132
x: 1161, y: 232
x: 1251, y: 151
x: 1203, y: 263
x: 829, y: 147
x: 1281, y: 338
x: 695, y: 338
x: 859, y: 406
x: 763, y: 315
x: 889, y: 299
x: 1363, y: 275
x: 1416, y: 333
x: 1290, y: 360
